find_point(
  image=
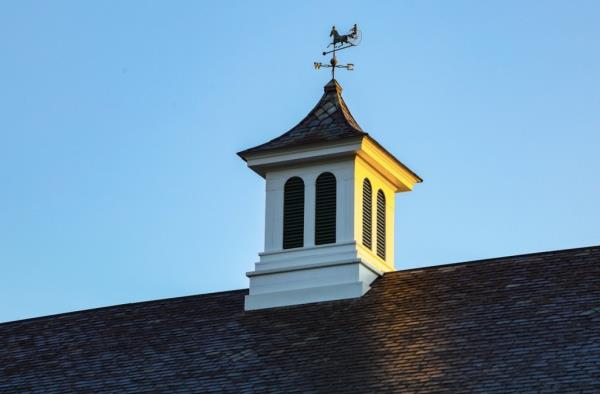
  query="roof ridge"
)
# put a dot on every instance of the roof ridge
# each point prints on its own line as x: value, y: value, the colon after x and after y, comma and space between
x: 61, y: 314
x: 593, y: 248
x: 496, y: 259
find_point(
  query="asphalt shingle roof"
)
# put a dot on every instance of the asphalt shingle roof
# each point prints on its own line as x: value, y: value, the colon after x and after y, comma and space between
x: 330, y: 120
x: 528, y: 323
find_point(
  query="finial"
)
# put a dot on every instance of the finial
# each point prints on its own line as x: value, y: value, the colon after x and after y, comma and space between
x: 339, y: 42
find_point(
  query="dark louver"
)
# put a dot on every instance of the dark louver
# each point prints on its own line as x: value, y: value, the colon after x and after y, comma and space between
x: 381, y: 224
x: 325, y: 209
x: 367, y: 217
x: 293, y: 213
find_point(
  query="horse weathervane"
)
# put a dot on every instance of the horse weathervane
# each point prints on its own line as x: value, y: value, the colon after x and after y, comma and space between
x: 339, y: 42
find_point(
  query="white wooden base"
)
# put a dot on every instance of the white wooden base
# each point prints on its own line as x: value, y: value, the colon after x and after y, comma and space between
x: 321, y: 273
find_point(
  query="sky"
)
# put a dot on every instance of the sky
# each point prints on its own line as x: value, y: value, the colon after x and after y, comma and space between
x: 119, y: 124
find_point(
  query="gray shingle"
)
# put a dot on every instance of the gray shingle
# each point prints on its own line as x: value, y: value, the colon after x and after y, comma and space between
x: 330, y: 120
x: 457, y: 328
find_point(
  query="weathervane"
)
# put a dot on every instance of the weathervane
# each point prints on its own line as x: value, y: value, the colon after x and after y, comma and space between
x: 339, y: 42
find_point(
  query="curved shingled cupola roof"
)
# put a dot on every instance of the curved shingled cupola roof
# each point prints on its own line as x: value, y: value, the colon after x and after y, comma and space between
x: 330, y: 120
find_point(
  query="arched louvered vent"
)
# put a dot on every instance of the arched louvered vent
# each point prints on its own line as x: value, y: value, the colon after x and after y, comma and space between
x: 325, y: 207
x: 367, y: 214
x: 293, y: 213
x: 380, y: 224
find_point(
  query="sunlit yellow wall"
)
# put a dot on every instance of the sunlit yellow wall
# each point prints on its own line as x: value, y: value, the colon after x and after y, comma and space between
x: 364, y: 170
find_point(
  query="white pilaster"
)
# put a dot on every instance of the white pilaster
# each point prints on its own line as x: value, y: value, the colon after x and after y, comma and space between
x: 345, y: 205
x: 309, y: 208
x: 274, y: 213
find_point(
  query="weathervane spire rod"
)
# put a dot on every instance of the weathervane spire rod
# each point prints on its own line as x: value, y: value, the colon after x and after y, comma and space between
x: 339, y: 42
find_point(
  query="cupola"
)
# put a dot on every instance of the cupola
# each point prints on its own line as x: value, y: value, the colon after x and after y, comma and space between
x: 330, y: 202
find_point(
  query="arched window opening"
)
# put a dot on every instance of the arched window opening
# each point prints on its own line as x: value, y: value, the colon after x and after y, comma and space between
x: 367, y: 214
x: 380, y: 224
x: 325, y: 207
x: 293, y: 213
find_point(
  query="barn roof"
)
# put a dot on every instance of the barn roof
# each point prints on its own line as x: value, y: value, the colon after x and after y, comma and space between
x: 526, y: 323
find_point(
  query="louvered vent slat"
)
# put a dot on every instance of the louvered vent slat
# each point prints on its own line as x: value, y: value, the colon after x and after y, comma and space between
x: 367, y: 218
x: 381, y: 224
x: 325, y: 209
x: 293, y: 213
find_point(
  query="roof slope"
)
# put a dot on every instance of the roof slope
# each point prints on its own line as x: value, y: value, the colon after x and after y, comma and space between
x: 525, y: 323
x: 329, y: 120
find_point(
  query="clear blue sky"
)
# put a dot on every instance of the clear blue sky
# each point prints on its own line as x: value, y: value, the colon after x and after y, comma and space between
x: 119, y: 123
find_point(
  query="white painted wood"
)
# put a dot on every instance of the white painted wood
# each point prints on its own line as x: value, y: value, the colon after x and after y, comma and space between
x: 345, y: 205
x: 309, y: 208
x: 342, y: 169
x: 263, y: 162
x: 311, y: 273
x: 314, y: 273
x: 305, y: 256
x: 304, y: 296
x: 274, y: 213
x: 324, y: 283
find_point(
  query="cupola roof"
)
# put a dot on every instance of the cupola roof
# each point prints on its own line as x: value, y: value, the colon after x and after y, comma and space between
x: 330, y: 120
